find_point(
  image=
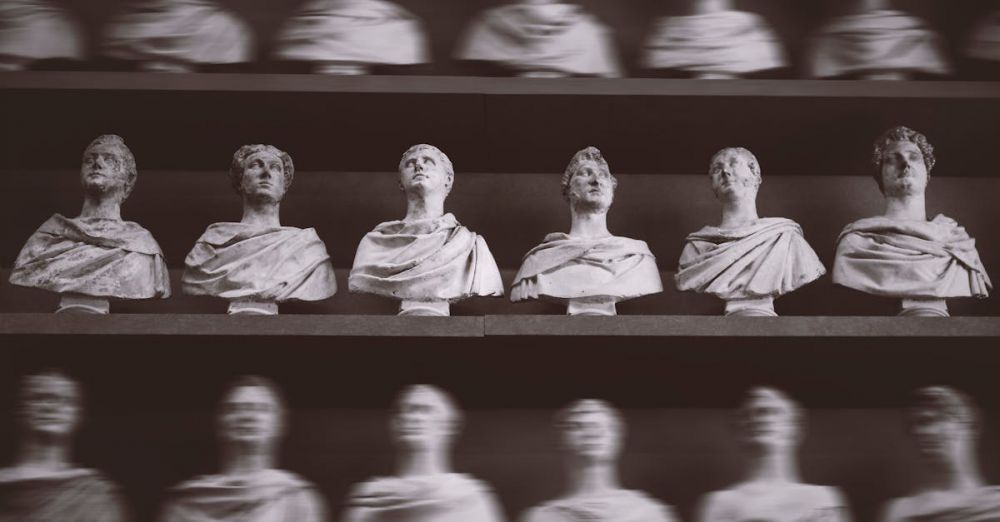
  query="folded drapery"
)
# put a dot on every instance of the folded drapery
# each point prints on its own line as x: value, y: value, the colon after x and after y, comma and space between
x: 267, y: 496
x: 448, y: 497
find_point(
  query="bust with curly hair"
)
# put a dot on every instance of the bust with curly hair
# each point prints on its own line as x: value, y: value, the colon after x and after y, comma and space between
x: 900, y: 253
x: 258, y: 263
x: 587, y: 269
x: 96, y: 256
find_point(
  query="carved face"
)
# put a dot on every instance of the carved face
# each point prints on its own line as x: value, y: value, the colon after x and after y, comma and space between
x: 250, y: 415
x: 769, y: 421
x: 732, y: 178
x: 937, y: 434
x: 423, y: 172
x: 423, y: 420
x: 263, y: 177
x: 591, y: 187
x: 51, y: 405
x: 592, y: 435
x: 103, y: 171
x: 904, y: 172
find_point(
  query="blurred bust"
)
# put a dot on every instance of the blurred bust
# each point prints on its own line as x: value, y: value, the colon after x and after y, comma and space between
x: 177, y: 35
x: 43, y: 483
x: 541, y: 38
x: 34, y: 30
x: 591, y: 433
x: 771, y: 427
x: 351, y: 36
x: 874, y: 41
x: 257, y: 263
x: 96, y: 256
x: 424, y: 489
x: 945, y: 426
x: 713, y: 41
x: 746, y: 260
x: 426, y: 260
x: 984, y: 41
x: 587, y: 269
x: 250, y: 424
x: 901, y: 254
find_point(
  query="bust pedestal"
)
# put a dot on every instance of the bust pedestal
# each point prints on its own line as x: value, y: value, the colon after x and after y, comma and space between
x: 252, y: 308
x: 425, y: 308
x: 590, y: 307
x: 756, y: 307
x: 924, y: 308
x: 83, y: 304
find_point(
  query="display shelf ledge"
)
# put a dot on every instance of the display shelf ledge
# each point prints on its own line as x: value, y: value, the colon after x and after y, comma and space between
x: 717, y: 326
x: 226, y: 325
x: 257, y: 82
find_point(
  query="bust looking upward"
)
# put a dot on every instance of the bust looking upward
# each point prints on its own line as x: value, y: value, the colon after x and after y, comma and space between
x: 257, y: 263
x: 900, y: 253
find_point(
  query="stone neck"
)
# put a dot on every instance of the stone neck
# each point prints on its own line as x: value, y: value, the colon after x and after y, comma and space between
x: 47, y: 455
x: 591, y: 478
x: 423, y: 463
x: 261, y: 213
x: 421, y: 207
x: 700, y: 7
x: 101, y: 208
x: 738, y: 213
x: 588, y: 224
x: 240, y: 460
x: 911, y: 208
x: 773, y: 465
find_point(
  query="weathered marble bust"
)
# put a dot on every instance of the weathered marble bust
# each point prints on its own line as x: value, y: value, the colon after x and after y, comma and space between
x: 876, y: 42
x: 257, y: 263
x: 945, y: 427
x: 713, y: 41
x: 43, y: 483
x: 900, y: 253
x: 177, y: 35
x: 542, y: 38
x: 771, y: 425
x: 32, y: 30
x: 592, y: 433
x: 426, y: 260
x: 424, y: 488
x: 746, y: 260
x: 249, y: 487
x: 349, y: 36
x: 588, y: 269
x: 984, y: 42
x: 96, y: 255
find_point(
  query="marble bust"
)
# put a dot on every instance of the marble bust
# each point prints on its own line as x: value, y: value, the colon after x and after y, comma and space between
x: 771, y: 426
x: 426, y: 260
x: 249, y: 487
x: 945, y: 428
x: 350, y: 36
x: 43, y: 483
x: 591, y: 433
x: 746, y: 260
x: 257, y: 263
x: 424, y: 489
x: 875, y: 42
x: 96, y: 256
x: 900, y: 253
x: 588, y: 269
x: 713, y: 41
x: 541, y: 38
x: 177, y: 35
x: 32, y: 30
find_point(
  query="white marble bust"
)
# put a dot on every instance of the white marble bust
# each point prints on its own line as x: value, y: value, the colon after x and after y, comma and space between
x: 945, y: 427
x: 32, y: 30
x: 591, y: 433
x: 746, y: 260
x: 349, y: 36
x: 901, y: 254
x: 250, y: 423
x: 427, y: 259
x: 771, y: 427
x: 43, y: 483
x: 97, y: 255
x: 424, y: 487
x: 587, y: 269
x: 876, y: 42
x: 713, y: 41
x: 177, y: 35
x: 541, y: 38
x: 258, y: 263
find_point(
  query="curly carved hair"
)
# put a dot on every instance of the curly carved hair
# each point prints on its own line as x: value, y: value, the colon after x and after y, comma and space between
x: 117, y: 143
x: 587, y: 155
x: 238, y: 166
x: 751, y: 160
x: 947, y: 402
x: 896, y: 134
x: 445, y: 160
